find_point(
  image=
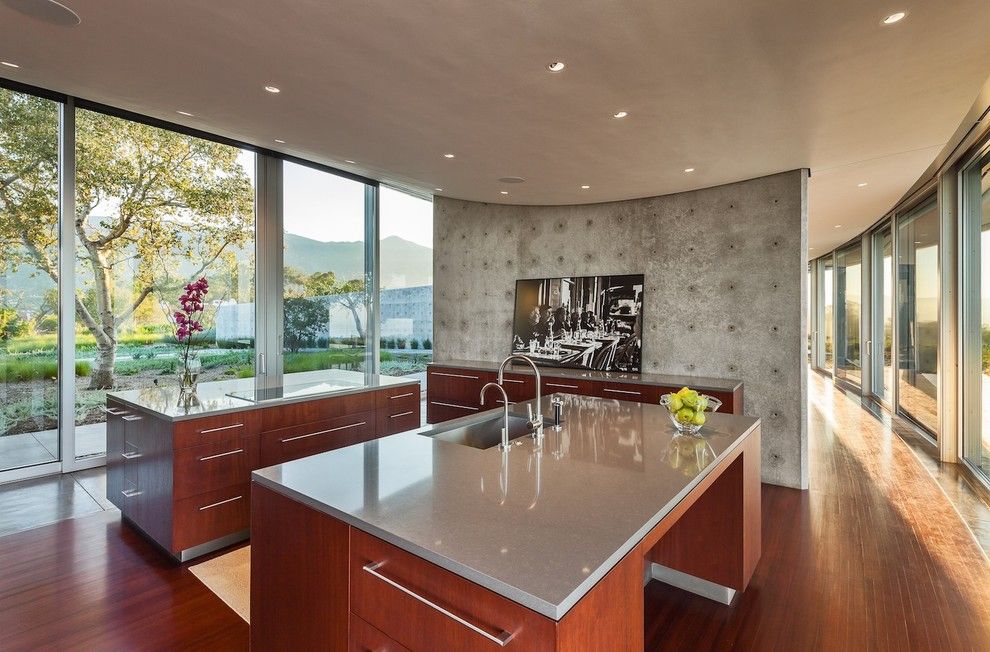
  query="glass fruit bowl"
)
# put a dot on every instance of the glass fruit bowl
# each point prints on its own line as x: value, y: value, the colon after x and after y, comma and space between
x: 687, y: 409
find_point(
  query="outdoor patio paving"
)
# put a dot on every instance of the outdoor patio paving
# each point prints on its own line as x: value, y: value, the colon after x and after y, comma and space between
x: 28, y: 449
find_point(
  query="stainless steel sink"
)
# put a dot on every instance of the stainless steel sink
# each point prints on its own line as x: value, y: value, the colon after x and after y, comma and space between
x: 486, y: 433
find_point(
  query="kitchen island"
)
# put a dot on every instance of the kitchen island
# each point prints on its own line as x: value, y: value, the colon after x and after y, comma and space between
x: 417, y: 542
x: 179, y: 466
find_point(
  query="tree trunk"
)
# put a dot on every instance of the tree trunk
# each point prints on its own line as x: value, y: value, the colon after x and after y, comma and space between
x: 357, y: 319
x: 106, y: 357
x: 105, y: 332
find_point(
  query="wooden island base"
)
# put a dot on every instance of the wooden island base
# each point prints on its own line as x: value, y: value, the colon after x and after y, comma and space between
x: 318, y: 583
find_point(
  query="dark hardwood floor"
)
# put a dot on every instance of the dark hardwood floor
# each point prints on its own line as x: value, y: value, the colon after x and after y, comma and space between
x: 873, y: 557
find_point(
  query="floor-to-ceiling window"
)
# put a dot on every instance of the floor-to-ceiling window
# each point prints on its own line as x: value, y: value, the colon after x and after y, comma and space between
x: 826, y: 317
x: 406, y: 282
x: 29, y: 317
x: 882, y: 328
x: 156, y: 209
x: 917, y: 286
x: 325, y: 320
x: 975, y: 297
x: 848, y: 303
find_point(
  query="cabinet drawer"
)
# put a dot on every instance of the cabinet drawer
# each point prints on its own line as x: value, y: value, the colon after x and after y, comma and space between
x: 568, y: 386
x: 203, y: 518
x: 398, y: 399
x: 407, y: 419
x: 284, y: 444
x: 365, y: 638
x: 439, y: 411
x: 206, y: 467
x: 631, y: 392
x: 216, y: 429
x: 304, y: 412
x: 458, y: 386
x: 425, y: 607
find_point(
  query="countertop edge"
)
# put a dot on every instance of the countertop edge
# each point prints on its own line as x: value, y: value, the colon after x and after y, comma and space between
x: 730, y: 384
x: 251, y: 405
x: 554, y: 611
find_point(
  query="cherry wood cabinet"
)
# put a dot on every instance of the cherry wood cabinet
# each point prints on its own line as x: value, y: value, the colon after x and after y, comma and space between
x: 454, y: 391
x: 187, y: 484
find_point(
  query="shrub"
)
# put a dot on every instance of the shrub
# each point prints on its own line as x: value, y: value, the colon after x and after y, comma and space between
x: 400, y: 343
x: 427, y: 344
x: 25, y: 370
x: 413, y: 344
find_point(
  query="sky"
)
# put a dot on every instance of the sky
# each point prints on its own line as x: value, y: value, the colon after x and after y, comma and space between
x: 325, y: 207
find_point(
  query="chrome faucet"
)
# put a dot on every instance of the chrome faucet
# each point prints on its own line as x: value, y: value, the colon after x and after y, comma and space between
x: 504, y: 446
x: 536, y: 420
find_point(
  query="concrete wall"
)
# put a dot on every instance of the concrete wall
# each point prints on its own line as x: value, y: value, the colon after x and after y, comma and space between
x: 725, y: 288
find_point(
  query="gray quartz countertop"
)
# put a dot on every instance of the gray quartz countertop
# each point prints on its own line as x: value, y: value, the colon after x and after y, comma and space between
x: 669, y: 380
x: 539, y: 526
x: 240, y: 394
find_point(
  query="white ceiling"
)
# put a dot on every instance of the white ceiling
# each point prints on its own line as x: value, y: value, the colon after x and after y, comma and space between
x: 733, y: 89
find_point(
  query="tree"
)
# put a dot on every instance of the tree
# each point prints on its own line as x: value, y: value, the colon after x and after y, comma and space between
x: 349, y: 294
x: 304, y: 321
x: 147, y: 199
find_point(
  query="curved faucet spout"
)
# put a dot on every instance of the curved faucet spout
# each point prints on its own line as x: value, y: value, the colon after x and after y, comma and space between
x: 537, y: 421
x: 504, y: 446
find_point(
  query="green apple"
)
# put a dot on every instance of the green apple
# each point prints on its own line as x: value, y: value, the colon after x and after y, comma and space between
x: 690, y: 399
x: 699, y: 418
x: 685, y: 415
x: 675, y: 403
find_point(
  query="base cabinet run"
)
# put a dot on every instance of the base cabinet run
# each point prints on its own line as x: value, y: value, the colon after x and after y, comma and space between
x: 186, y: 484
x: 453, y: 392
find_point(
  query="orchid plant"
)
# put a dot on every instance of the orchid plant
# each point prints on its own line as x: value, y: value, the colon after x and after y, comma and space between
x: 188, y: 322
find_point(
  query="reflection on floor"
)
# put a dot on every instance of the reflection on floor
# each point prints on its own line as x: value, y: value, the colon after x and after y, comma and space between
x: 31, y: 503
x: 30, y: 448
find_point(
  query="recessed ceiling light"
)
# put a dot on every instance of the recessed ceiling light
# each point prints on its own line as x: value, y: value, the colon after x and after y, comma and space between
x: 838, y: 226
x: 9, y: 64
x: 504, y: 192
x: 917, y: 242
x: 184, y: 113
x: 689, y: 170
x: 511, y: 180
x: 585, y: 187
x: 894, y: 18
x: 620, y: 114
x: 862, y: 185
x: 347, y: 160
x: 48, y: 11
x: 448, y: 156
x: 279, y: 140
x: 273, y: 89
x: 556, y: 66
x: 439, y: 189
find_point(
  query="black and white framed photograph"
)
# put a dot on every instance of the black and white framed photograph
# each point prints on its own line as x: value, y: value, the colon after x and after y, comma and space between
x: 582, y: 322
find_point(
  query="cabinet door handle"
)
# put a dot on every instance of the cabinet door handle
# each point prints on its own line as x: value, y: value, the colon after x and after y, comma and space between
x: 221, y: 502
x: 130, y: 456
x: 501, y: 639
x: 323, y: 432
x: 132, y: 417
x: 213, y: 457
x: 512, y: 380
x: 400, y: 395
x: 454, y: 405
x: 130, y: 493
x: 622, y: 391
x: 221, y: 428
x: 401, y: 414
x: 117, y: 412
x: 564, y: 386
x: 446, y: 375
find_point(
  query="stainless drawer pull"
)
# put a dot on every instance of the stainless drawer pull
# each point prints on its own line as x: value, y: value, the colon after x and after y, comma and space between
x: 401, y: 395
x: 132, y: 417
x: 323, y: 432
x: 130, y: 456
x: 213, y: 457
x: 446, y: 375
x: 130, y: 493
x: 622, y: 391
x: 401, y: 414
x: 454, y: 405
x: 510, y: 380
x: 117, y: 412
x: 564, y: 386
x: 221, y: 428
x: 501, y: 639
x: 222, y: 502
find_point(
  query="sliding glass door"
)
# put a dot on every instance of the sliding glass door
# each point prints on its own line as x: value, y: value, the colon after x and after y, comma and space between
x: 917, y: 314
x: 848, y: 282
x: 975, y: 297
x: 826, y: 321
x: 29, y: 315
x: 881, y: 323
